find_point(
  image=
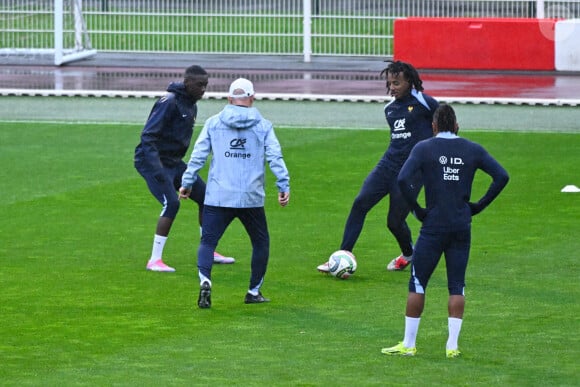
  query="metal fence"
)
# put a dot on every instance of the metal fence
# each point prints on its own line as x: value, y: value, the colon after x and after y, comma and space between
x: 289, y: 27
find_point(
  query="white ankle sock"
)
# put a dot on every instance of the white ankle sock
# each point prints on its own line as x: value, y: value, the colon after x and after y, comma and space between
x: 411, y: 328
x: 158, y: 245
x: 203, y: 279
x: 454, y: 329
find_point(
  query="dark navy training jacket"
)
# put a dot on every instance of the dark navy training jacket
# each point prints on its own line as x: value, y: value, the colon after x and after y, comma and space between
x: 167, y: 132
x: 410, y: 121
x: 447, y: 164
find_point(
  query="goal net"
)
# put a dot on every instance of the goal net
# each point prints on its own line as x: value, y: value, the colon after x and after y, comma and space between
x: 55, y: 27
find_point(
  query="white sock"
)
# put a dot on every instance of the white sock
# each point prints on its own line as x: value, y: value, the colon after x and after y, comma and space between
x: 411, y: 328
x: 158, y: 245
x: 454, y: 329
x: 203, y: 279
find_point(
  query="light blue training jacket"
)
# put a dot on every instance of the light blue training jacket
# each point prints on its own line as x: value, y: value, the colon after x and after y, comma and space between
x: 240, y: 142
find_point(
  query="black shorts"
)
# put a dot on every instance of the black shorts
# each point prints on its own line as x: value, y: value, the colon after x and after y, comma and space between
x: 429, y: 248
x: 164, y: 188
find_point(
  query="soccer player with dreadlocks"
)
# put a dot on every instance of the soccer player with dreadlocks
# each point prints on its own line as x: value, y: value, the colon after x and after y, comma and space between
x: 409, y: 115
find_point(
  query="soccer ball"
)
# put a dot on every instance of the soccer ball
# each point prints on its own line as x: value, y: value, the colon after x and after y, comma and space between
x: 342, y: 264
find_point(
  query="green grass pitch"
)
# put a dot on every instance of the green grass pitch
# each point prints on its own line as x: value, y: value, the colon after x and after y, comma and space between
x: 78, y: 308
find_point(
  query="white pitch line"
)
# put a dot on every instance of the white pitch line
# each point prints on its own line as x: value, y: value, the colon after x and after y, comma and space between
x: 289, y: 97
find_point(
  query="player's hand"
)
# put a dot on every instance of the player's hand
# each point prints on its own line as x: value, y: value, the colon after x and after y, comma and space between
x: 184, y: 193
x: 283, y: 198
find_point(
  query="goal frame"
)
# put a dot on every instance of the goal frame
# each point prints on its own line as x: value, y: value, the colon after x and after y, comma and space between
x: 82, y: 44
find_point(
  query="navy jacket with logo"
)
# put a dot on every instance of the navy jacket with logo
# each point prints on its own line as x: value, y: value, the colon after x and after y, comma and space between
x: 410, y: 121
x: 167, y: 132
x: 447, y: 164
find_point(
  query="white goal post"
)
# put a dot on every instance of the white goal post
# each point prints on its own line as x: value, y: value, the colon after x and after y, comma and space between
x: 82, y: 42
x: 34, y: 29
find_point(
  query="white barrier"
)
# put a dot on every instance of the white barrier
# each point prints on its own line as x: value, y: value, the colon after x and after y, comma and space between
x: 288, y: 97
x: 567, y: 45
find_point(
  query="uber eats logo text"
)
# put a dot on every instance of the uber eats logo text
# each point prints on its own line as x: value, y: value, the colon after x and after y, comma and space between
x: 238, y: 149
x: 451, y: 167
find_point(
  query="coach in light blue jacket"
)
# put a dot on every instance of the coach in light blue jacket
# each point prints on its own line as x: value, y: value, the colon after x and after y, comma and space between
x: 240, y: 142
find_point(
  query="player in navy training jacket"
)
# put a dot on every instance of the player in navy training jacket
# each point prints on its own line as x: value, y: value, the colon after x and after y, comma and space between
x: 159, y: 156
x: 447, y: 164
x: 409, y: 116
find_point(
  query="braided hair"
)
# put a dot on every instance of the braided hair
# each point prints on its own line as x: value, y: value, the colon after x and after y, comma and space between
x: 445, y: 118
x: 409, y: 72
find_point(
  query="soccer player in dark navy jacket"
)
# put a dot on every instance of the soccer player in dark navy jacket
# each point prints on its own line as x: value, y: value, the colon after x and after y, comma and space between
x: 158, y: 157
x: 447, y: 164
x: 409, y: 116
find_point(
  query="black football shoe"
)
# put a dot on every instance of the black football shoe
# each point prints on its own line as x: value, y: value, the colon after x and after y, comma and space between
x: 204, y: 300
x: 251, y: 299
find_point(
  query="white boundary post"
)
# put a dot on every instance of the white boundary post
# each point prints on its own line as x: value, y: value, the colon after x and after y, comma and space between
x: 307, y: 32
x: 540, y: 9
x: 58, y: 32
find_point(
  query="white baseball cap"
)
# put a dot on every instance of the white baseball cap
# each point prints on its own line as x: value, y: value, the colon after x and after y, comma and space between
x: 241, y: 84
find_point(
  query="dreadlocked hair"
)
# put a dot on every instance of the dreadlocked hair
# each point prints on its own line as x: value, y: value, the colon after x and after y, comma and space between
x: 445, y: 118
x: 409, y: 72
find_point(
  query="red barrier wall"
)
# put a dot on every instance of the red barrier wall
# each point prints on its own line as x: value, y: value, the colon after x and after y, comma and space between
x: 475, y: 43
